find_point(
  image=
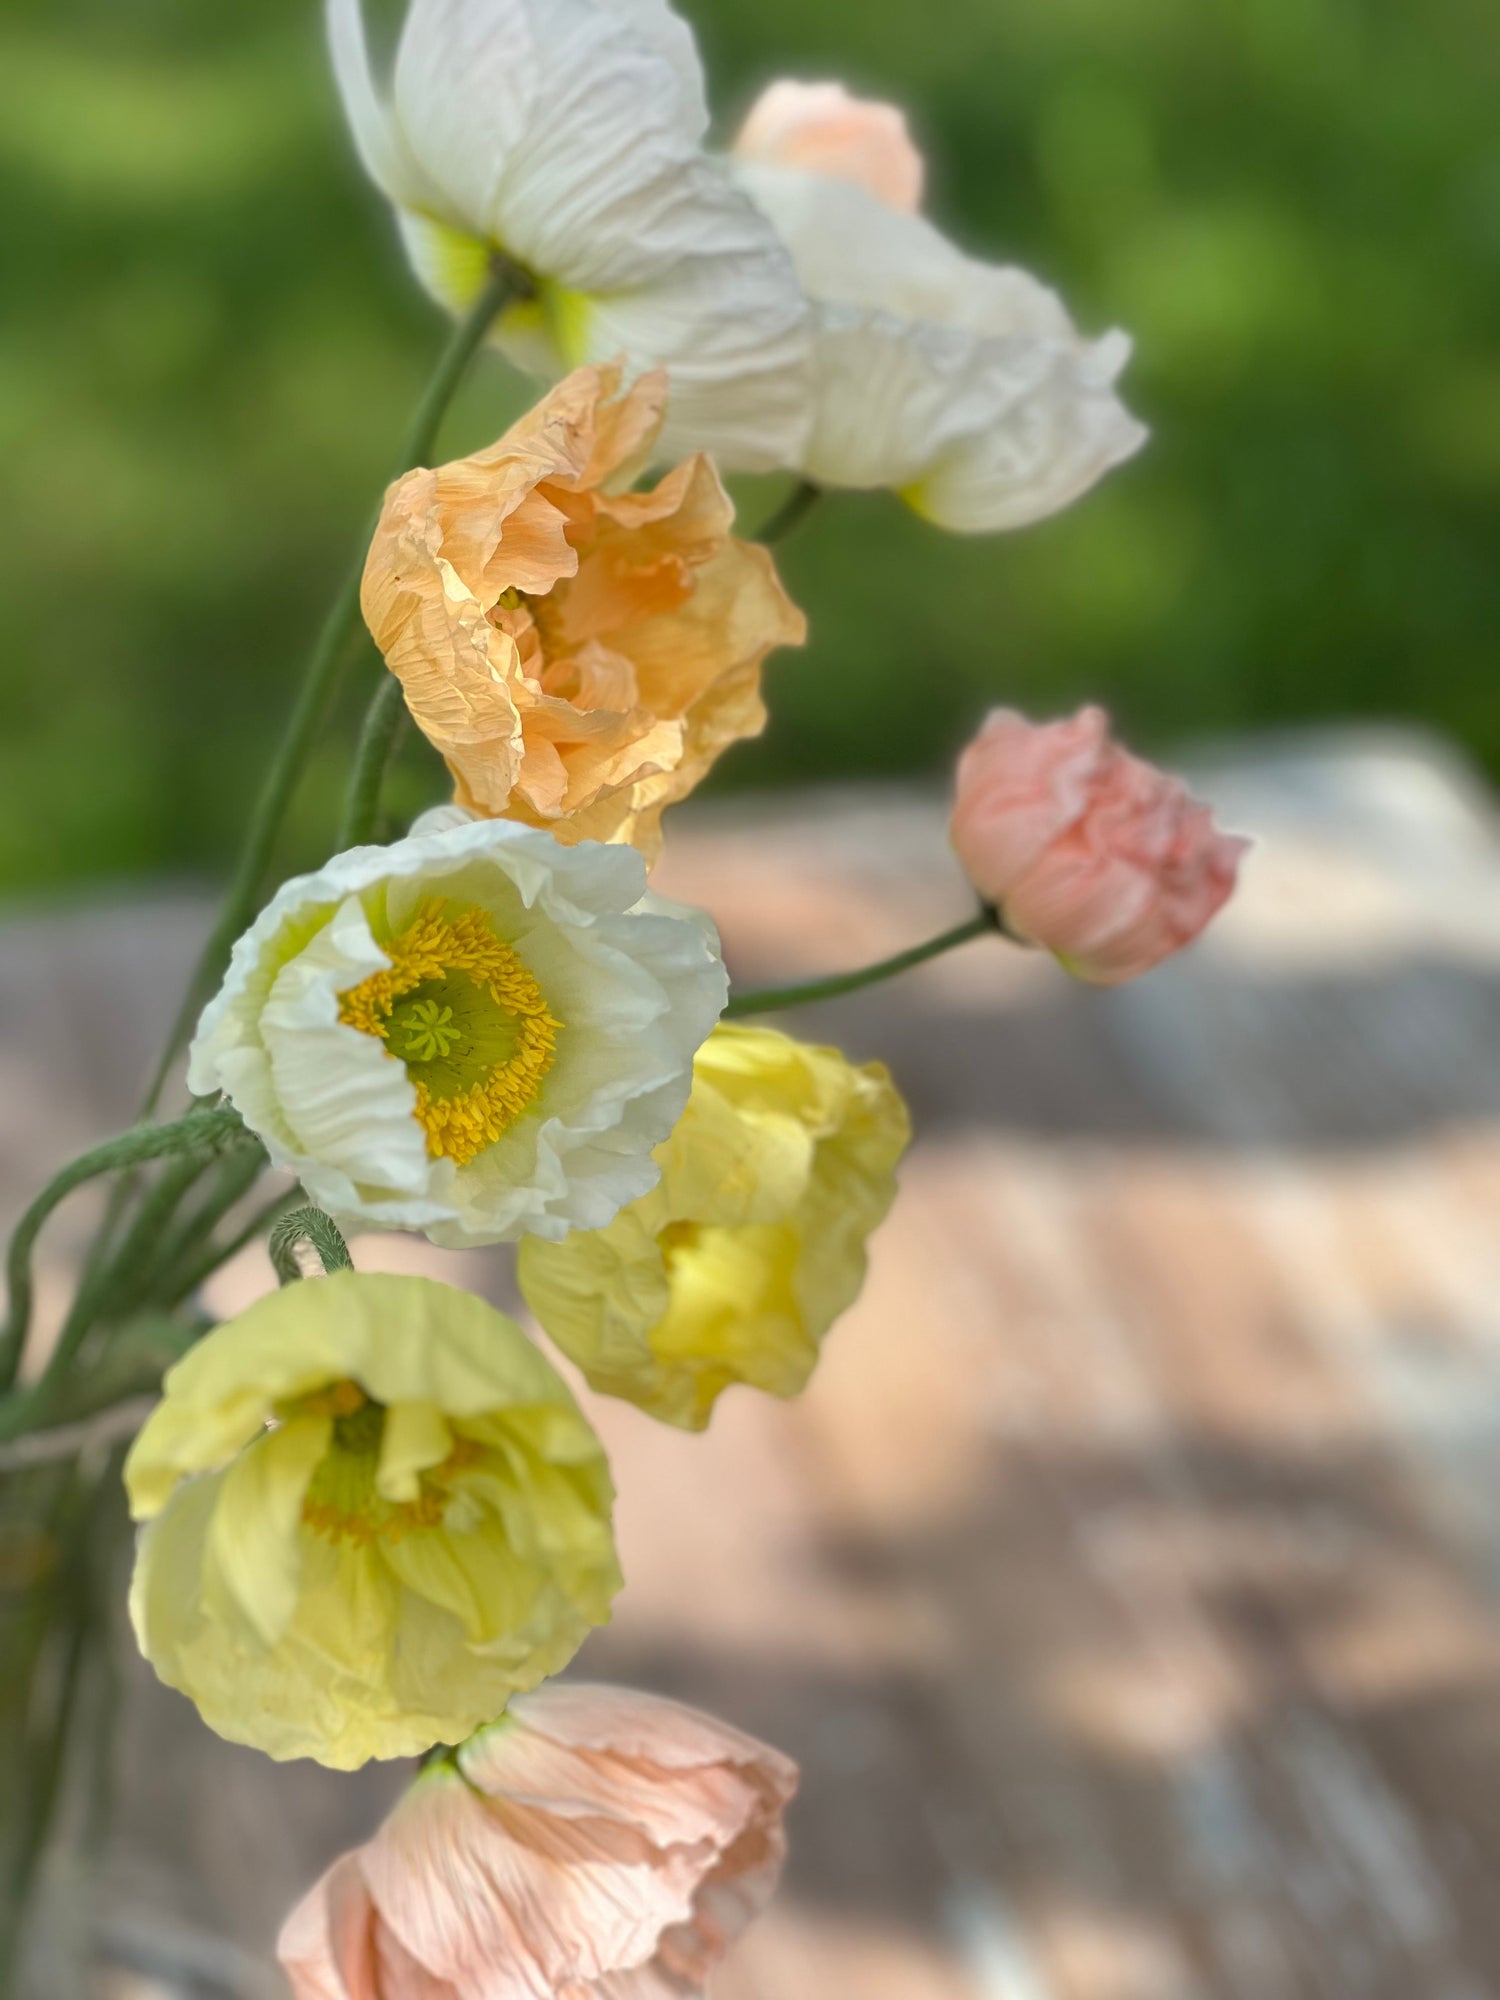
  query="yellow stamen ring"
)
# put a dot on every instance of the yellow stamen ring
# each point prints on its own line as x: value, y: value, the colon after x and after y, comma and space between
x: 483, y: 1089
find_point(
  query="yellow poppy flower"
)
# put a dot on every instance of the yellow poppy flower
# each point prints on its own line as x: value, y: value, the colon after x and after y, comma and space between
x: 374, y: 1512
x: 735, y: 1267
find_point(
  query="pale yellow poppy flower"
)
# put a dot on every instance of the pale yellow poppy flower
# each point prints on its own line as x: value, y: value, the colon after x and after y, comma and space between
x: 373, y: 1512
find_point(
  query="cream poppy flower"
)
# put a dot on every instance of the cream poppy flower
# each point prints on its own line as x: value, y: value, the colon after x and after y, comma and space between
x: 567, y: 135
x: 596, y: 1844
x: 373, y: 1513
x: 476, y: 1032
x: 580, y: 655
x: 963, y: 386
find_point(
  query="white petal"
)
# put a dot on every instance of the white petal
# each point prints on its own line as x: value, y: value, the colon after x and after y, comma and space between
x: 349, y: 1105
x: 637, y: 989
x: 377, y: 136
x: 1051, y: 447
x: 550, y: 125
x: 566, y: 133
x: 638, y: 994
x: 978, y: 434
x: 962, y: 385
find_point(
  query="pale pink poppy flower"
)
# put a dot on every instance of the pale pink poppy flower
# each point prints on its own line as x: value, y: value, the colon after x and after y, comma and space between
x: 1085, y: 849
x: 594, y: 1844
x: 820, y: 128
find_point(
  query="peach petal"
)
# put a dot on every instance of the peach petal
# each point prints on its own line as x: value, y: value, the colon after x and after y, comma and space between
x: 594, y: 1843
x: 820, y: 128
x: 579, y: 655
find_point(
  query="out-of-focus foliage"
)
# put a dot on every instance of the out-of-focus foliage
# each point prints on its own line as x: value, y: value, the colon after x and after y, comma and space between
x: 208, y: 345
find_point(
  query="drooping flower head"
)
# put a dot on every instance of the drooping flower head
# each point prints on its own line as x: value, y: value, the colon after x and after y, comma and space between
x: 596, y: 1844
x: 476, y: 1032
x: 580, y: 655
x: 567, y: 135
x: 734, y: 1268
x: 374, y: 1513
x: 962, y: 386
x: 1086, y: 849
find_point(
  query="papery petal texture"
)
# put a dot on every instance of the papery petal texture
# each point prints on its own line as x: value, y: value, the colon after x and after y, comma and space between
x: 373, y: 1513
x: 735, y: 1268
x: 579, y: 654
x: 476, y: 1032
x: 596, y: 1843
x: 963, y: 386
x: 566, y: 135
x: 1086, y: 849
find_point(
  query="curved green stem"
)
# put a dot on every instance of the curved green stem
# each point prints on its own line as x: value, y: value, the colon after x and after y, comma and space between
x: 188, y: 1276
x: 771, y: 999
x: 377, y: 742
x: 307, y: 1225
x: 334, y: 641
x: 800, y: 502
x: 199, y: 1131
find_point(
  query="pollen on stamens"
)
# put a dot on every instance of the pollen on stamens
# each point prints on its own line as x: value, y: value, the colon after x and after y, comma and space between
x: 460, y: 1121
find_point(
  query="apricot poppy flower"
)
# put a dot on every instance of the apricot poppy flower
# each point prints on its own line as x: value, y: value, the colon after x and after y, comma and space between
x: 579, y: 654
x: 594, y: 1842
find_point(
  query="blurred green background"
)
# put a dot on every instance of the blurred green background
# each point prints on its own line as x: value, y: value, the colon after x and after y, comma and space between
x: 208, y: 343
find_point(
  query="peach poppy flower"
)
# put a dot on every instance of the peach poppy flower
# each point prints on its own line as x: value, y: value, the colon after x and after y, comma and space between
x: 1086, y: 849
x: 822, y: 129
x: 594, y: 1844
x: 579, y: 654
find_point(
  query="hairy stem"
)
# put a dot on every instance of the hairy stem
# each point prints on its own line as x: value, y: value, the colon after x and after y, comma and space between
x: 307, y: 1225
x: 204, y: 1131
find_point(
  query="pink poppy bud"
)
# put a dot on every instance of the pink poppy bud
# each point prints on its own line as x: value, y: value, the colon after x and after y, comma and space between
x: 820, y: 128
x: 1085, y: 849
x: 592, y: 1842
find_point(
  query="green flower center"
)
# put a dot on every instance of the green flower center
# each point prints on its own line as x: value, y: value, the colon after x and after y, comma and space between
x: 462, y: 1011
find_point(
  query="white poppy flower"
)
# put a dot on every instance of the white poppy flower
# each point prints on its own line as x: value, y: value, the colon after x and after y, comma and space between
x: 567, y: 135
x: 477, y: 1032
x: 963, y: 386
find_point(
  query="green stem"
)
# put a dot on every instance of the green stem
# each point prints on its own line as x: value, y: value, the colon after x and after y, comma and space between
x: 186, y: 1279
x: 772, y: 999
x: 377, y: 742
x: 233, y: 1179
x: 307, y: 1225
x: 202, y: 1130
x: 322, y: 670
x: 800, y: 502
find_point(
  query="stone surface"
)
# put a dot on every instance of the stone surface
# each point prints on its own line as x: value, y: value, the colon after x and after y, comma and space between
x: 1128, y: 1583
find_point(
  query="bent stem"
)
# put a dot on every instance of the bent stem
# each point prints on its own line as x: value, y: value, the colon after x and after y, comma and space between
x: 771, y: 999
x: 334, y: 642
x: 311, y: 1226
x: 198, y: 1131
